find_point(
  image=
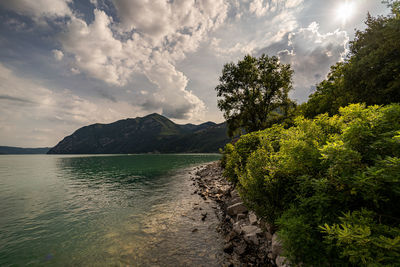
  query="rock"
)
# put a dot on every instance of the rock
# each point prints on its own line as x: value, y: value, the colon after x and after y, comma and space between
x: 236, y: 209
x: 229, y: 237
x: 234, y: 201
x: 252, y: 238
x: 281, y: 261
x: 204, y: 216
x: 268, y: 236
x: 240, y: 248
x: 268, y: 227
x: 237, y: 228
x: 234, y: 194
x: 240, y: 216
x: 251, y: 229
x: 228, y: 248
x: 252, y: 218
x: 276, y: 245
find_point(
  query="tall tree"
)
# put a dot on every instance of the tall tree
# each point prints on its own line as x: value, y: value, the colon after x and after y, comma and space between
x: 254, y: 93
x: 329, y: 96
x: 371, y: 72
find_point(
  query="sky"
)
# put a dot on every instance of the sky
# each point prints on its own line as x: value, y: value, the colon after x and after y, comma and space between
x: 65, y: 64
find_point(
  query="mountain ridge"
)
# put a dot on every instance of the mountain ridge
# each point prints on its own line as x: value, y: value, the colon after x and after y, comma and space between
x: 13, y: 150
x: 153, y: 133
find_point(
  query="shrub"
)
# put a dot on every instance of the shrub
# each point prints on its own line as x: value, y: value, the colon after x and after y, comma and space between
x: 307, y: 176
x: 364, y: 241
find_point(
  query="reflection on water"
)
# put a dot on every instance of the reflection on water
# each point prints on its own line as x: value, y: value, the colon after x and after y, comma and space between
x: 105, y: 210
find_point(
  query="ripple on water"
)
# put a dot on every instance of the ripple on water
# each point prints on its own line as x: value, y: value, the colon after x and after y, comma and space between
x: 105, y: 210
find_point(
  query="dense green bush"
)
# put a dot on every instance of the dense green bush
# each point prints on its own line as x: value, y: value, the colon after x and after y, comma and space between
x: 330, y: 184
x: 235, y: 158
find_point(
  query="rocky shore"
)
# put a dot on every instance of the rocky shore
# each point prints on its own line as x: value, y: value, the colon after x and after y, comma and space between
x: 249, y: 241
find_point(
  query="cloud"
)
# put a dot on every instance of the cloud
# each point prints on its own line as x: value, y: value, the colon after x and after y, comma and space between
x: 16, y: 24
x: 38, y: 9
x: 163, y: 33
x: 58, y: 55
x: 262, y: 7
x: 28, y: 104
x: 15, y: 99
x: 259, y: 7
x: 158, y: 19
x: 311, y: 54
x: 98, y: 53
x: 173, y: 98
x: 269, y: 22
x: 293, y: 3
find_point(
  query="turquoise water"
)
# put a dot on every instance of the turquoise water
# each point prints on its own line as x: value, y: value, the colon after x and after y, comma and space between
x: 117, y: 210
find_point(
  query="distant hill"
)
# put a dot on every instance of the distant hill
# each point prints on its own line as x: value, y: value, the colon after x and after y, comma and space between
x: 150, y: 134
x: 21, y: 150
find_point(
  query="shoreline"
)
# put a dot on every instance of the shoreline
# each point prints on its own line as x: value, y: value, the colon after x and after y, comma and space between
x: 249, y: 241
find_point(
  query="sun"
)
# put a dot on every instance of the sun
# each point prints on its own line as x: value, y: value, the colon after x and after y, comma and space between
x: 344, y: 11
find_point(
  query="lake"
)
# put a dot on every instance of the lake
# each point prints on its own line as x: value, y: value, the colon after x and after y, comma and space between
x: 102, y: 210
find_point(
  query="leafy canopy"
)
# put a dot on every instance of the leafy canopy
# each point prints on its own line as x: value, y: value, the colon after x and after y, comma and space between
x: 371, y: 72
x: 254, y: 93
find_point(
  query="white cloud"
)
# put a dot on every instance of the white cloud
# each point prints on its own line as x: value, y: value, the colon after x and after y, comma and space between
x: 259, y: 7
x: 58, y: 55
x: 262, y: 24
x: 26, y: 104
x: 311, y: 54
x: 173, y: 98
x: 164, y: 32
x: 158, y: 19
x: 293, y: 3
x: 263, y: 7
x: 98, y: 53
x: 39, y: 8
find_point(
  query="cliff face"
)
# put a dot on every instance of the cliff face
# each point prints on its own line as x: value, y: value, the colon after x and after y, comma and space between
x: 153, y: 133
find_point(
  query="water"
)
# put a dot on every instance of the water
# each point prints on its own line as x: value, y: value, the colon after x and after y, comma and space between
x: 118, y: 210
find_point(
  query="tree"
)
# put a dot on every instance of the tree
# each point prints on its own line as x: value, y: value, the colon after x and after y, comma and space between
x: 371, y: 72
x: 329, y: 96
x: 254, y: 93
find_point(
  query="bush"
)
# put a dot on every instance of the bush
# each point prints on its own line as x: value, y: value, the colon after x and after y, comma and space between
x: 364, y: 241
x: 236, y: 156
x: 307, y: 176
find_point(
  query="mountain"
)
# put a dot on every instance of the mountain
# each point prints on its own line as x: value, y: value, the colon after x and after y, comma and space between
x: 150, y: 134
x: 22, y: 150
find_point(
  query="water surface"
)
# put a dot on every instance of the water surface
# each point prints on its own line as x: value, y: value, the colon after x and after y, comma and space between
x: 114, y: 210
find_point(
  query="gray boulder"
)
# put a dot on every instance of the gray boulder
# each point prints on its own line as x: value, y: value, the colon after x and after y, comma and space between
x: 251, y: 229
x: 237, y: 228
x: 237, y: 208
x: 281, y: 261
x: 276, y: 245
x: 252, y: 238
x: 253, y: 218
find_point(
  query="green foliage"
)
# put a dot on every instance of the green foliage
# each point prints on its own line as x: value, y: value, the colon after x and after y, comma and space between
x: 364, y: 241
x: 308, y: 175
x: 254, y: 93
x: 236, y: 156
x: 329, y: 96
x: 371, y: 72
